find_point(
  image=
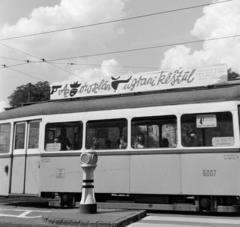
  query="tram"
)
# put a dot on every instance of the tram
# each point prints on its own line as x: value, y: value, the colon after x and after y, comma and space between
x: 189, y: 158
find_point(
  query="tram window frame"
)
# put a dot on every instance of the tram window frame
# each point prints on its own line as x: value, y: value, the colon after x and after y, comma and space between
x: 73, y: 131
x: 204, y: 136
x: 5, y: 137
x: 239, y: 117
x: 165, y: 139
x: 102, y: 133
x: 33, y: 137
x: 20, y: 136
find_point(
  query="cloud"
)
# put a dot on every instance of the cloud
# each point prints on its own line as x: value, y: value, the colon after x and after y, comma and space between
x: 70, y: 13
x: 74, y: 42
x: 219, y: 20
x: 107, y: 69
x: 3, y: 105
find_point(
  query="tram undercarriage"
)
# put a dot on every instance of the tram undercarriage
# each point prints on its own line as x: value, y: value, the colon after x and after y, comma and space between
x: 192, y: 203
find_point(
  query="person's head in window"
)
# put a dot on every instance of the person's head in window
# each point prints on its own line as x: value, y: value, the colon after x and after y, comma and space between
x: 139, y: 143
x: 108, y: 144
x: 192, y: 139
x: 63, y: 132
x: 56, y: 140
x: 122, y: 142
x: 65, y: 142
x: 164, y: 142
x: 95, y: 143
x: 191, y: 134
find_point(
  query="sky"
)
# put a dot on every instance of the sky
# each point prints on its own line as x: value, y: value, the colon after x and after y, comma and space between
x: 74, y: 53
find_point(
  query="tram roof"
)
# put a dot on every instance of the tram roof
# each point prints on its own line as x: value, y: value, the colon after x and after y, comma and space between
x: 196, y: 95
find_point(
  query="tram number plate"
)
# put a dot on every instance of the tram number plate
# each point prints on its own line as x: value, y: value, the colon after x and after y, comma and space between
x: 209, y: 173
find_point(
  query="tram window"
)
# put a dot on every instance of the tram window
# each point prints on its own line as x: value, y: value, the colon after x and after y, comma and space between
x: 208, y: 129
x: 106, y: 134
x: 33, y: 135
x: 63, y: 136
x: 5, y: 131
x: 154, y: 132
x: 20, y: 136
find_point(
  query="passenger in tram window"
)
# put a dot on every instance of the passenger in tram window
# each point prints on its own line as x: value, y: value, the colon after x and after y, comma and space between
x: 65, y: 142
x: 192, y: 139
x: 108, y: 144
x: 77, y: 144
x: 139, y: 143
x: 164, y: 142
x: 56, y: 140
x: 123, y: 144
x: 95, y: 143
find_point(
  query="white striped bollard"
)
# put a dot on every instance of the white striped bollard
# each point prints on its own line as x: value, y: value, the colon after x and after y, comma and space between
x: 88, y: 203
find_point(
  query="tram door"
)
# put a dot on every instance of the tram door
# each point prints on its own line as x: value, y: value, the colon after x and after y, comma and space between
x: 5, y: 158
x: 26, y: 158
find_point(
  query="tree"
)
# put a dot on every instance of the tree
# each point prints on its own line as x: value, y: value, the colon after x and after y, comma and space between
x: 30, y: 93
x: 232, y: 75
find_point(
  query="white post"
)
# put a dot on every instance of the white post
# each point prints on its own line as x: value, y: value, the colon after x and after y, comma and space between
x: 88, y: 203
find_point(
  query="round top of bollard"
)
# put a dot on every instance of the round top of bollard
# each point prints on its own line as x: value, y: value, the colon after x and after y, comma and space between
x: 89, y: 158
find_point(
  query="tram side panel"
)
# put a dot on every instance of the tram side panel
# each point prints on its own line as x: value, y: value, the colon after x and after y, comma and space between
x: 112, y: 174
x: 60, y: 173
x: 17, y: 181
x: 5, y: 157
x: 155, y: 174
x: 32, y: 174
x: 64, y: 174
x: 211, y: 174
x: 5, y: 163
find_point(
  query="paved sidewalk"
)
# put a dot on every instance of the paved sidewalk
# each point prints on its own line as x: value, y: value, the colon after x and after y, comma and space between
x: 34, y: 211
x: 103, y: 218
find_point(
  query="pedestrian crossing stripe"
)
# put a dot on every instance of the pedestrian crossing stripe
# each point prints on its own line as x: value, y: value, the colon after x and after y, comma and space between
x: 193, y: 220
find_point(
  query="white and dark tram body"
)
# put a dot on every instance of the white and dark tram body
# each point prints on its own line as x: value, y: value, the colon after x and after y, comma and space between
x: 176, y: 177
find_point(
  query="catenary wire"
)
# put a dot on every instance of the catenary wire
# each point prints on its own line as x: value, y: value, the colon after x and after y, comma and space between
x: 14, y: 59
x: 63, y: 69
x: 39, y: 59
x: 10, y: 66
x: 26, y: 74
x: 144, y: 48
x: 114, y: 21
x: 72, y: 64
x: 113, y: 66
x: 131, y: 50
x: 26, y: 62
x: 20, y: 51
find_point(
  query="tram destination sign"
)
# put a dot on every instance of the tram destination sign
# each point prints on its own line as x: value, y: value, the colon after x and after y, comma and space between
x: 153, y: 81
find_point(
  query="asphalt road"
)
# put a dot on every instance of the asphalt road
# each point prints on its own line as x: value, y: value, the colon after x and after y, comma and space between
x: 188, y: 220
x: 28, y: 211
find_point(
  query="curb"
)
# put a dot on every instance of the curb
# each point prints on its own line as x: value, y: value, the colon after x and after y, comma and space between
x: 85, y: 222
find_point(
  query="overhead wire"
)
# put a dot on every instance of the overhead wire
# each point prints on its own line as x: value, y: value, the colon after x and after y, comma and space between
x: 114, y: 21
x: 10, y: 66
x: 51, y: 61
x: 72, y: 64
x: 144, y: 48
x: 114, y: 52
x: 63, y: 69
x: 39, y: 59
x: 25, y: 74
x: 113, y: 66
x: 19, y: 51
x: 26, y: 62
x: 14, y: 59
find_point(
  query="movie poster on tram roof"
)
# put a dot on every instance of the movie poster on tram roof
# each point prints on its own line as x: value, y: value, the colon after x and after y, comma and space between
x: 164, y: 79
